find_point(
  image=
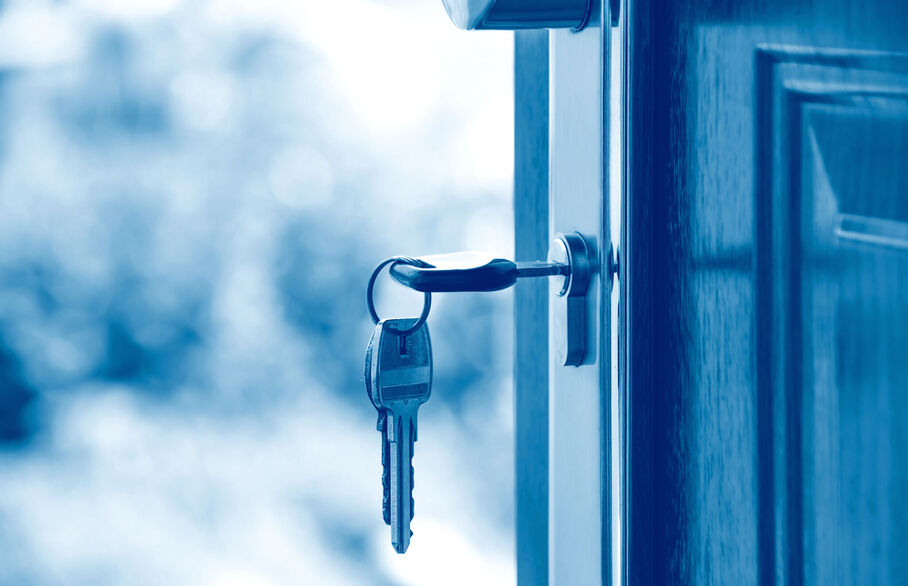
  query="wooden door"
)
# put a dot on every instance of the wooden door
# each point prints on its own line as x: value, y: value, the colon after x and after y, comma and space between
x: 764, y: 292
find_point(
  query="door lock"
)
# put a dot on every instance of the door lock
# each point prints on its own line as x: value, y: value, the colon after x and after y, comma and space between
x: 569, y: 303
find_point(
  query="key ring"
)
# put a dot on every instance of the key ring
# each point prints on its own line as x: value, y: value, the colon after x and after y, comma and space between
x: 427, y: 297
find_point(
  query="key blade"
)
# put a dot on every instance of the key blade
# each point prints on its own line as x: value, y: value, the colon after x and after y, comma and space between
x: 539, y: 268
x: 401, y: 484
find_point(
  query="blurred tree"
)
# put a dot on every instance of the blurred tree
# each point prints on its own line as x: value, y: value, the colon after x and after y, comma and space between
x: 16, y: 396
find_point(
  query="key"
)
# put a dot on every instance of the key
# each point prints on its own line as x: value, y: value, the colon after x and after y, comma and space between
x: 401, y: 381
x: 380, y: 426
x: 470, y: 271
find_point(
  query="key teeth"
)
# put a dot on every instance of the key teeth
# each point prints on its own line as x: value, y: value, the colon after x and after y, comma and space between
x: 401, y: 548
x: 386, y: 482
x: 386, y: 497
x: 385, y: 471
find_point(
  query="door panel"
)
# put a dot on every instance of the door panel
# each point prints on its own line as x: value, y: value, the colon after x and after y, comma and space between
x: 837, y: 124
x: 766, y: 303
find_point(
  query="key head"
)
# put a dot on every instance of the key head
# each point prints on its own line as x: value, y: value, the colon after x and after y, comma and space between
x: 458, y: 271
x: 401, y: 366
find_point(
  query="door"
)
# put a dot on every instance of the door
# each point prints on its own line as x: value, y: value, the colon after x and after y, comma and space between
x: 759, y: 428
x: 765, y: 292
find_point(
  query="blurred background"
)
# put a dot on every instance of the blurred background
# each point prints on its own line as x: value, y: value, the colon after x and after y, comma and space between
x: 192, y: 197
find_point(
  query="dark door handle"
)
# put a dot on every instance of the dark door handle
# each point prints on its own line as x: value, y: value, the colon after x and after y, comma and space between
x: 469, y: 271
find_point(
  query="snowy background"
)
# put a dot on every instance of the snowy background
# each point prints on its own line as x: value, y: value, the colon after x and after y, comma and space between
x: 192, y: 196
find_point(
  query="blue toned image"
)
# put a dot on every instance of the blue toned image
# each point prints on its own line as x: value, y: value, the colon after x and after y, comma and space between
x: 192, y: 196
x: 453, y: 292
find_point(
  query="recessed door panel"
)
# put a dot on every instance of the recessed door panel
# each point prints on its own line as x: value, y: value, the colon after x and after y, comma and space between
x: 840, y: 312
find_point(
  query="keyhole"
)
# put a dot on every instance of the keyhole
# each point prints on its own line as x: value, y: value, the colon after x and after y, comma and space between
x: 404, y: 346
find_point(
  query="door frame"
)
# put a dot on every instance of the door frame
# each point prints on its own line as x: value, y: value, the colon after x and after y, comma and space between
x: 565, y: 417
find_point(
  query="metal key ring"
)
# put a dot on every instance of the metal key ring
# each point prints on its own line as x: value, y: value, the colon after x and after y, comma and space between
x: 427, y: 297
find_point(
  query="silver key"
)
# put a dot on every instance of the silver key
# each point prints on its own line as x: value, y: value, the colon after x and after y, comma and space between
x: 401, y: 381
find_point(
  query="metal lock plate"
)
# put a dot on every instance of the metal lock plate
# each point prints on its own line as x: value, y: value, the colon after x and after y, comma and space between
x: 569, y: 296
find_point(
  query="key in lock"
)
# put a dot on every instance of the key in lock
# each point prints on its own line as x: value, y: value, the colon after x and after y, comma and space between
x: 571, y: 263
